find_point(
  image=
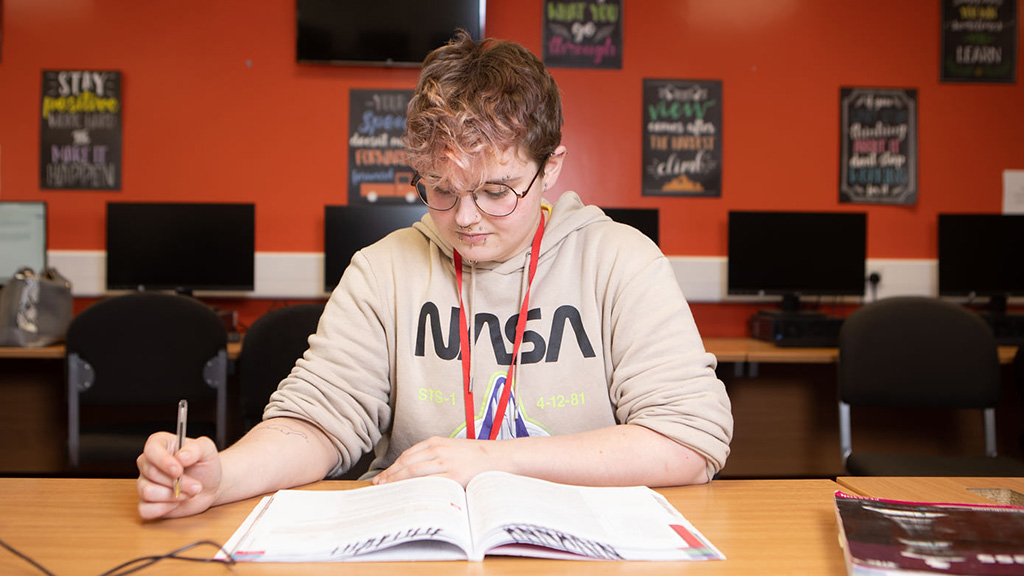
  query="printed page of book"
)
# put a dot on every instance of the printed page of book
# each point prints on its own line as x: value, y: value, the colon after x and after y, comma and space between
x: 418, y: 519
x: 515, y: 515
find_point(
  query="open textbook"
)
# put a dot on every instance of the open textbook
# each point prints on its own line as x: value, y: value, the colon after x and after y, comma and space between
x: 435, y: 519
x: 889, y: 537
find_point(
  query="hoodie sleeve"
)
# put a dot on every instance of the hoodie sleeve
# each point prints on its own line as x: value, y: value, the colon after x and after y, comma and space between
x: 662, y: 377
x: 342, y: 382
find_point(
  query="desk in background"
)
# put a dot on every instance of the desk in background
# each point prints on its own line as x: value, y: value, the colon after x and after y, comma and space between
x: 786, y: 416
x: 56, y: 352
x: 726, y: 349
x: 753, y: 351
x: 86, y: 526
x: 33, y: 436
x: 784, y: 403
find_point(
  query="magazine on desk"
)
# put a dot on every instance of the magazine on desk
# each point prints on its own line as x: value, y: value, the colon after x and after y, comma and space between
x: 889, y: 537
x: 497, y: 514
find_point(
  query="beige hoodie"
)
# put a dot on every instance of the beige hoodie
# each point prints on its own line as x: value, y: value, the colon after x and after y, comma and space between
x: 609, y: 339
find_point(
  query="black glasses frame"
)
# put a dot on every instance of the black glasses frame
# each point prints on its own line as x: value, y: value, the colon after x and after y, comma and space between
x: 421, y: 191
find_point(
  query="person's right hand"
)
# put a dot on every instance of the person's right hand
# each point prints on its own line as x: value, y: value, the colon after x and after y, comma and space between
x: 197, y: 463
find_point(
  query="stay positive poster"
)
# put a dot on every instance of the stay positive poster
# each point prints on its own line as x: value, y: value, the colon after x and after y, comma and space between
x: 682, y: 138
x: 80, y: 133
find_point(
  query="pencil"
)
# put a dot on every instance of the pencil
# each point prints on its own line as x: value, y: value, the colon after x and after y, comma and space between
x: 182, y: 419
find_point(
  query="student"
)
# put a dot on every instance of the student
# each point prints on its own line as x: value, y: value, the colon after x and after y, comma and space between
x: 612, y: 385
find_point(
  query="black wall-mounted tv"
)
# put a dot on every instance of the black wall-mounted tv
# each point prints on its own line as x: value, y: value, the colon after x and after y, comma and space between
x: 795, y: 254
x: 347, y: 229
x: 181, y: 246
x: 381, y: 32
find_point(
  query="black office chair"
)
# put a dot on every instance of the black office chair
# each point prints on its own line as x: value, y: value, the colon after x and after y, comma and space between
x: 919, y: 352
x: 130, y: 359
x: 272, y: 345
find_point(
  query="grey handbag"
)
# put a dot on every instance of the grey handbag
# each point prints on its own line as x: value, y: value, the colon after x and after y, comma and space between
x: 35, y: 308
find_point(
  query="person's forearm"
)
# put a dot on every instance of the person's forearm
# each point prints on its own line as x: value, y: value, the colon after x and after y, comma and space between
x: 618, y: 455
x: 276, y: 454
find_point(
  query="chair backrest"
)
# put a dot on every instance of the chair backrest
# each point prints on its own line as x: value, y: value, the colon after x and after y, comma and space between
x: 146, y: 349
x: 272, y: 345
x: 917, y: 352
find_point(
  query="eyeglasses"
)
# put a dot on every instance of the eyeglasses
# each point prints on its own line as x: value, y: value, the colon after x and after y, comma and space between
x: 493, y: 198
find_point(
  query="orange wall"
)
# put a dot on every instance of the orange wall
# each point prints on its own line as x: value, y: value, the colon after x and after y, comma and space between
x: 215, y: 108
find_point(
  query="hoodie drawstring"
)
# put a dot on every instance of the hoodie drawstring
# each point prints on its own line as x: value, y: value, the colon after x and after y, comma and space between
x: 465, y: 343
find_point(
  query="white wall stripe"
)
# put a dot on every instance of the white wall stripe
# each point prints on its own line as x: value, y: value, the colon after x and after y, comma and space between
x: 300, y: 275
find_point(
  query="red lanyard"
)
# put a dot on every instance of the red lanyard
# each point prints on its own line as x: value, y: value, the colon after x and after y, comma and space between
x: 464, y: 342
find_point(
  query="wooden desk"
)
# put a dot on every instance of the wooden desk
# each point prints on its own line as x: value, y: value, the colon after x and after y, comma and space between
x: 86, y: 526
x: 762, y: 351
x: 754, y: 350
x: 726, y: 349
x: 928, y: 489
x: 56, y: 351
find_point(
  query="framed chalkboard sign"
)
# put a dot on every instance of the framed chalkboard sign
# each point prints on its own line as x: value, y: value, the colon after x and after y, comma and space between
x: 878, y: 146
x: 377, y: 169
x: 80, y: 130
x: 682, y: 138
x: 583, y: 34
x: 979, y: 41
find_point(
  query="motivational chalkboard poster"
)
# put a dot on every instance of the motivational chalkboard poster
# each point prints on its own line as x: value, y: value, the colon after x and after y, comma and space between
x: 377, y: 169
x: 878, y: 156
x: 682, y: 138
x: 979, y: 41
x: 80, y: 133
x: 583, y: 34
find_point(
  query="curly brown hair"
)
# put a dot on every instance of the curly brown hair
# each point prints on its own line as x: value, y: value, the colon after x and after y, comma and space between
x: 476, y: 100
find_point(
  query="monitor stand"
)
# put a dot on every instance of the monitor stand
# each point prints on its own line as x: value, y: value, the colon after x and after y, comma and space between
x: 228, y: 317
x: 1007, y: 328
x: 788, y: 326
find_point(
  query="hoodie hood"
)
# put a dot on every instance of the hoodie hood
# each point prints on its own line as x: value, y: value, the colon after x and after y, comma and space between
x: 568, y: 214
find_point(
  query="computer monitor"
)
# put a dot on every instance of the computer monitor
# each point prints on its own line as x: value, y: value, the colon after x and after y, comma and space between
x: 22, y: 237
x: 347, y: 229
x: 794, y: 254
x: 181, y: 246
x: 982, y: 255
x: 643, y: 219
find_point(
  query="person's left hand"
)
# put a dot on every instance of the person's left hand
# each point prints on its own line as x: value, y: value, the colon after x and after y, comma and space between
x: 458, y: 459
